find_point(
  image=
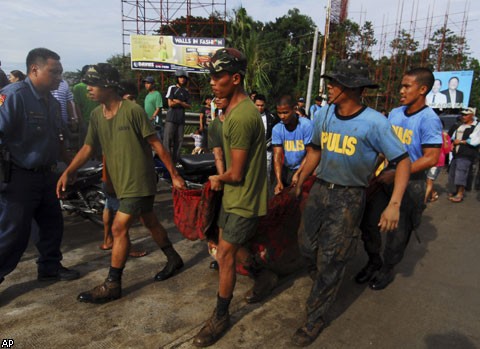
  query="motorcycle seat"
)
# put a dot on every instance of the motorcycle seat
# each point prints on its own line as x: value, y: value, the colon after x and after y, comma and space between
x: 197, y: 161
x: 89, y: 171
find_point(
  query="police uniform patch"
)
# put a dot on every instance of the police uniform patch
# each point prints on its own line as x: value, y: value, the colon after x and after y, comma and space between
x: 2, y: 99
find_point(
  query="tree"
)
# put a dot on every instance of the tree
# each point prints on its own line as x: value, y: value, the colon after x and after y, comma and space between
x: 286, y: 46
x: 72, y: 77
x: 473, y: 64
x: 343, y: 40
x: 447, y: 50
x: 192, y: 26
x: 123, y: 65
x: 244, y: 36
x: 367, y: 40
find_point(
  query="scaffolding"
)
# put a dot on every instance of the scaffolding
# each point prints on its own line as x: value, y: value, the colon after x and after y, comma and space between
x: 148, y: 17
x: 339, y: 11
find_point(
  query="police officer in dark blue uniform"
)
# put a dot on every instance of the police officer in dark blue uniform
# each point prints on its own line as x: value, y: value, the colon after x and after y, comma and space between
x: 30, y: 142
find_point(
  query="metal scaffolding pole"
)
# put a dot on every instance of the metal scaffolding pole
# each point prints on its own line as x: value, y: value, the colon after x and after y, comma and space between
x: 321, y: 90
x: 312, y: 69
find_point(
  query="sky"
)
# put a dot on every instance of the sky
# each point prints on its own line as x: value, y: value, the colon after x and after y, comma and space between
x: 87, y: 31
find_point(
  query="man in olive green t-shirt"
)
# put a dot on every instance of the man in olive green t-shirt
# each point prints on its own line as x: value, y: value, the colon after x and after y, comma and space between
x: 121, y: 128
x: 153, y: 100
x: 84, y: 105
x: 244, y: 182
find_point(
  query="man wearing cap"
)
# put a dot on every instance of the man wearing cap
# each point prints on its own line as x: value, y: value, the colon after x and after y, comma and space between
x: 465, y: 139
x: 315, y: 107
x: 153, y: 105
x: 153, y: 101
x: 126, y: 137
x: 301, y: 103
x: 348, y: 137
x: 84, y: 105
x: 244, y: 183
x: 178, y: 100
x: 419, y: 128
x: 30, y: 143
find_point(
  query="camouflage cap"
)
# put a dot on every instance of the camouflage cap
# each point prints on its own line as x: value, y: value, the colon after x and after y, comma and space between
x: 351, y: 73
x: 228, y: 59
x: 102, y: 75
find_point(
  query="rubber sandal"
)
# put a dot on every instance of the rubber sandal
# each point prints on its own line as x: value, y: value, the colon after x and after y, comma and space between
x: 456, y: 199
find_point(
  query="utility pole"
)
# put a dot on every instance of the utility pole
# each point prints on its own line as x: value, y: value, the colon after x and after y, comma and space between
x: 312, y: 69
x: 321, y: 90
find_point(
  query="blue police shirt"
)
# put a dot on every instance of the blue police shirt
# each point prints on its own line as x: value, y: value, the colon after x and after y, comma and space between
x: 350, y: 145
x: 29, y: 125
x: 293, y: 142
x: 422, y: 129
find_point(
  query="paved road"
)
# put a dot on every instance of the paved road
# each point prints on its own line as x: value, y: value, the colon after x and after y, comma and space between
x: 433, y: 303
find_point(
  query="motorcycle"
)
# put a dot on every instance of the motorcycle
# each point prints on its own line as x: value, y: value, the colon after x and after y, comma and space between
x: 85, y: 196
x: 194, y: 169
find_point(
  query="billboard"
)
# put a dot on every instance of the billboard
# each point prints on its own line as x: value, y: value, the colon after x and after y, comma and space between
x: 169, y: 53
x: 451, y: 89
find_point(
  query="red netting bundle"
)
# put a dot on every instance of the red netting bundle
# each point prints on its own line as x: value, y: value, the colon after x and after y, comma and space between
x: 276, y: 243
x: 195, y: 211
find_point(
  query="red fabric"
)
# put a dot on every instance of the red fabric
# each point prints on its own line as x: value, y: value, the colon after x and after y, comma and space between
x: 195, y: 211
x: 277, y: 231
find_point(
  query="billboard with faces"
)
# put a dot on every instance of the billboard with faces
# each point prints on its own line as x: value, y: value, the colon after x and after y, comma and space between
x: 451, y: 89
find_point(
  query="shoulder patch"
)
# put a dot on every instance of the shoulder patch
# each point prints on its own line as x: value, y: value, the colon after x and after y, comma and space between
x: 2, y: 99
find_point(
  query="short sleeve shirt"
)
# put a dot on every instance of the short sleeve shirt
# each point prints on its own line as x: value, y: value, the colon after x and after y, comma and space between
x: 153, y: 101
x: 63, y: 95
x: 177, y: 114
x: 127, y: 152
x: 350, y: 145
x: 293, y: 142
x: 243, y: 129
x: 81, y: 99
x: 422, y: 129
x: 215, y: 134
x: 30, y: 126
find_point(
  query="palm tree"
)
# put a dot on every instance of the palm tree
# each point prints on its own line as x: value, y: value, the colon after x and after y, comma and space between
x: 245, y: 38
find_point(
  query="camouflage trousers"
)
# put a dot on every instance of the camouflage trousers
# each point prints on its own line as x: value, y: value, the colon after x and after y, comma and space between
x: 328, y: 237
x: 410, y: 216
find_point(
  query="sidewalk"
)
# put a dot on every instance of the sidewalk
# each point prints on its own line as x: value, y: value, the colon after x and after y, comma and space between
x: 433, y: 303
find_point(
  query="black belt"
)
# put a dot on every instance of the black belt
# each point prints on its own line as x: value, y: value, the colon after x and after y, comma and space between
x: 338, y: 186
x: 39, y: 169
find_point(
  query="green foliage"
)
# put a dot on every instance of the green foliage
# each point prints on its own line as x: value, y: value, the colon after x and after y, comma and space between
x: 450, y: 46
x: 285, y: 46
x: 473, y: 64
x: 72, y: 77
x: 212, y: 27
x: 122, y: 63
